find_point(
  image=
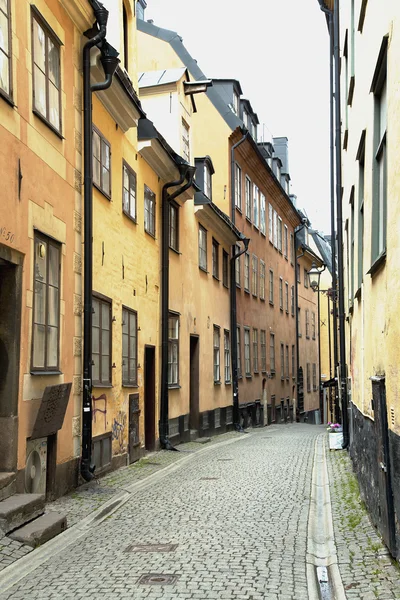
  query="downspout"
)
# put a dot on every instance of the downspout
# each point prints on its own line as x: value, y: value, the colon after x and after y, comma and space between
x: 320, y: 394
x: 296, y: 301
x: 101, y: 14
x: 235, y: 375
x: 186, y: 172
x: 342, y: 338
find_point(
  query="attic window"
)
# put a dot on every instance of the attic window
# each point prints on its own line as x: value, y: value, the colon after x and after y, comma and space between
x: 207, y: 180
x: 204, y: 173
x: 246, y: 118
x: 235, y: 103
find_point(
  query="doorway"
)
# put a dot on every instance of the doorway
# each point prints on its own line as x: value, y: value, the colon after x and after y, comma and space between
x: 194, y: 383
x: 149, y: 397
x: 10, y: 327
x: 385, y: 507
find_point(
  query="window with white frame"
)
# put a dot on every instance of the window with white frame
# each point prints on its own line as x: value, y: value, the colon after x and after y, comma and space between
x: 227, y: 356
x: 275, y: 229
x: 215, y: 259
x: 185, y: 141
x: 282, y: 361
x: 279, y: 234
x: 262, y: 214
x: 239, y: 352
x: 217, y: 374
x: 207, y: 181
x: 271, y: 223
x: 255, y: 350
x: 129, y: 191
x: 236, y: 103
x: 248, y: 198
x: 271, y: 286
x: 202, y: 248
x: 281, y: 293
x: 307, y: 324
x: 291, y: 249
x: 5, y: 49
x: 254, y: 281
x: 272, y: 352
x: 308, y: 378
x: 237, y: 266
x: 173, y: 226
x: 225, y: 269
x: 129, y: 347
x: 256, y: 206
x: 292, y: 299
x: 314, y: 377
x: 299, y: 321
x: 149, y: 211
x: 173, y: 349
x: 101, y: 341
x: 263, y: 344
x: 287, y: 361
x: 285, y: 241
x: 287, y: 297
x: 262, y: 280
x: 313, y: 325
x: 247, y: 363
x: 247, y: 271
x: 238, y: 187
x: 293, y: 361
x: 305, y: 278
x: 101, y: 163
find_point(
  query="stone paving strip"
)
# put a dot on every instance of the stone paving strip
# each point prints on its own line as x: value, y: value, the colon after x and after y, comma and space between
x: 89, y: 497
x: 367, y: 570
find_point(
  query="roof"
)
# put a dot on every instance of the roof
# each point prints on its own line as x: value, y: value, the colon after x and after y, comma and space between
x: 162, y: 77
x: 235, y: 82
x: 147, y: 130
x: 175, y: 41
x: 324, y: 248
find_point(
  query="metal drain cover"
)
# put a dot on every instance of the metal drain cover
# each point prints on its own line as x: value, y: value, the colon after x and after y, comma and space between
x: 151, y: 548
x: 157, y: 579
x: 209, y: 478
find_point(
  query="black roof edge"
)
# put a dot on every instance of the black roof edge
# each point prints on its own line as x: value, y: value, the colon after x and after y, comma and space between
x: 130, y: 90
x: 147, y: 131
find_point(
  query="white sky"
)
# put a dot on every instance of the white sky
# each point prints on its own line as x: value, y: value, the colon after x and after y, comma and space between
x: 279, y: 51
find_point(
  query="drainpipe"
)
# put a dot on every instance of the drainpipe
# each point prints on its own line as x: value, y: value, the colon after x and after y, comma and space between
x: 235, y: 375
x: 109, y: 65
x: 186, y: 172
x: 296, y: 316
x: 339, y: 218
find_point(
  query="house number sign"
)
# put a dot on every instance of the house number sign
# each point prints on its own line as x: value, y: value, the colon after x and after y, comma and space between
x: 7, y: 235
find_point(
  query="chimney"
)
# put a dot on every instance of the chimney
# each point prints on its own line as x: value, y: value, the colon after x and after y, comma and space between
x: 281, y: 148
x: 293, y: 198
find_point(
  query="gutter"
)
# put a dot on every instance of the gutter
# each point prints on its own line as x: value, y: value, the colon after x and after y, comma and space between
x: 186, y: 172
x: 110, y: 62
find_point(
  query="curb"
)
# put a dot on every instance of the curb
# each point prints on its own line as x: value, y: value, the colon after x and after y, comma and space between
x: 22, y: 567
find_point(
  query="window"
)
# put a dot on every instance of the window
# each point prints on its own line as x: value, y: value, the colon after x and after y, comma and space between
x: 282, y: 361
x: 225, y: 268
x: 293, y: 362
x: 227, y: 356
x: 275, y: 221
x: 314, y: 377
x: 101, y: 163
x: 285, y: 241
x: 129, y: 191
x: 247, y: 272
x: 379, y: 88
x: 262, y: 214
x: 248, y: 185
x: 129, y: 347
x: 256, y: 201
x: 217, y: 375
x: 287, y: 361
x: 262, y: 280
x: 246, y: 118
x: 263, y: 342
x: 361, y: 182
x: 238, y: 187
x: 272, y: 351
x: 207, y: 181
x: 202, y: 248
x: 215, y: 259
x: 247, y: 364
x: 305, y: 276
x: 186, y: 141
x: 270, y: 223
x: 46, y: 72
x: 173, y: 349
x: 281, y: 293
x: 46, y: 304
x: 279, y: 234
x: 254, y: 281
x: 298, y: 273
x: 236, y: 103
x: 237, y: 266
x: 173, y: 226
x: 313, y: 325
x: 140, y: 10
x: 308, y: 378
x: 238, y: 346
x: 299, y: 321
x: 149, y: 211
x: 291, y: 249
x: 287, y: 297
x: 271, y: 286
x: 255, y: 350
x: 292, y: 299
x: 101, y: 342
x: 307, y: 324
x: 5, y: 48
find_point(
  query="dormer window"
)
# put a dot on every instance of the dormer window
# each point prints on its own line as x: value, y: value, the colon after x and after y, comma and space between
x: 204, y: 173
x: 236, y: 103
x: 254, y: 130
x: 246, y: 118
x: 140, y: 6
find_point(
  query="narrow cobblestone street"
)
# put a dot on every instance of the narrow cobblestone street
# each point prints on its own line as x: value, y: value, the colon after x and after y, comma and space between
x: 235, y: 513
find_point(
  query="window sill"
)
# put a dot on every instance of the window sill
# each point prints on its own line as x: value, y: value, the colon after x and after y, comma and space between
x: 262, y: 299
x: 377, y: 264
x: 238, y: 209
x: 174, y: 386
x: 238, y: 286
x: 248, y: 376
x: 254, y: 295
x: 152, y: 235
x: 248, y: 220
x: 271, y: 303
x: 300, y: 335
x: 287, y: 312
x: 36, y: 373
x: 307, y: 337
x: 7, y: 99
x: 247, y: 291
x: 49, y: 125
x: 273, y: 372
x: 130, y: 385
x: 175, y: 251
x: 128, y: 216
x: 228, y: 382
x: 203, y: 269
x: 281, y: 308
x: 97, y: 384
x: 226, y: 286
x: 256, y: 372
x: 263, y: 234
x: 216, y: 278
x: 217, y: 382
x: 102, y: 192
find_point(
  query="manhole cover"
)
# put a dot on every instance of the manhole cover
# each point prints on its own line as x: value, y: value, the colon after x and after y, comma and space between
x: 209, y: 478
x: 157, y: 579
x: 151, y: 548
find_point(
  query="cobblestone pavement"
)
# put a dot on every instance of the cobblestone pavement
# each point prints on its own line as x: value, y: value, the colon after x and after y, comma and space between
x: 368, y: 573
x: 238, y: 515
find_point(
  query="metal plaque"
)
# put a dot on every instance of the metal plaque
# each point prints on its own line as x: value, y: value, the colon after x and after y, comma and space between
x: 52, y: 410
x: 157, y: 579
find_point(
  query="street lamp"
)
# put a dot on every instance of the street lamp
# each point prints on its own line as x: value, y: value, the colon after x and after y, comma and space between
x: 314, y: 275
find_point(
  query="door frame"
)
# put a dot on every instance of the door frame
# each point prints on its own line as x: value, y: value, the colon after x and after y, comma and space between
x: 149, y: 415
x: 194, y: 394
